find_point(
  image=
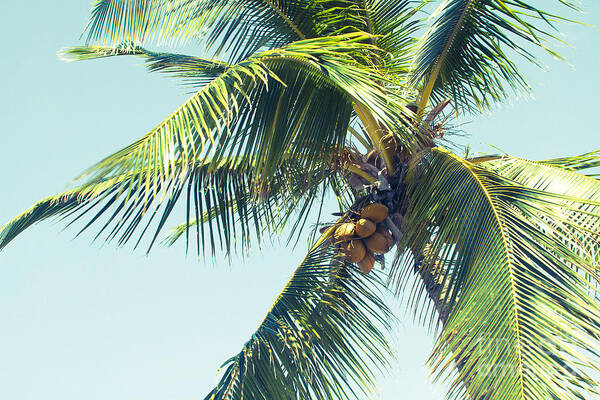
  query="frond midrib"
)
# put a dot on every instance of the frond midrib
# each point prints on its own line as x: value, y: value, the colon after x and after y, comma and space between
x: 286, y: 19
x: 552, y: 167
x: 428, y: 87
x: 509, y: 264
x: 369, y: 21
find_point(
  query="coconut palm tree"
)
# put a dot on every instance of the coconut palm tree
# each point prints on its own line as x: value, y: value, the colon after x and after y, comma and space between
x: 300, y: 99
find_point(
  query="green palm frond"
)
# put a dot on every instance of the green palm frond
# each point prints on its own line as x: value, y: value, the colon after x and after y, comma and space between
x: 241, y: 27
x: 396, y: 24
x: 256, y: 211
x: 63, y: 203
x: 518, y: 267
x: 116, y: 21
x: 322, y: 338
x: 237, y: 27
x: 195, y: 71
x: 578, y: 163
x: 342, y: 16
x: 468, y: 52
x: 238, y: 116
x: 285, y: 204
x: 392, y: 24
x: 293, y: 102
x: 558, y: 176
x: 238, y: 210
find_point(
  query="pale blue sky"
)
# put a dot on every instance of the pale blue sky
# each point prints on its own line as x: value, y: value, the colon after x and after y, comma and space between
x: 96, y: 322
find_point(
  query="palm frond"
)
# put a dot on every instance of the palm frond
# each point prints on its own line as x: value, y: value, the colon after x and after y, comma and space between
x: 519, y: 270
x: 195, y: 71
x: 577, y: 163
x: 241, y: 27
x: 293, y: 102
x: 467, y: 53
x: 558, y: 175
x: 63, y: 203
x: 238, y: 116
x: 396, y: 24
x: 257, y: 211
x: 237, y: 27
x: 322, y: 338
x: 239, y: 212
x: 391, y: 24
x: 116, y: 21
x: 286, y: 203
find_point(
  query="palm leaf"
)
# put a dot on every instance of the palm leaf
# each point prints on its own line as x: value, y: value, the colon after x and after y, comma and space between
x: 278, y: 205
x: 116, y: 21
x: 558, y: 176
x: 55, y: 205
x: 238, y: 211
x: 395, y: 23
x: 467, y: 53
x: 315, y: 81
x: 238, y: 116
x: 256, y: 211
x: 321, y: 339
x: 241, y: 27
x: 238, y: 27
x: 196, y: 71
x: 518, y: 275
x: 578, y: 163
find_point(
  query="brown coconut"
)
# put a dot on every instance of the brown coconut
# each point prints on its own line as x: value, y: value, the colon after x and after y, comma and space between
x: 377, y: 243
x: 367, y: 263
x: 365, y: 227
x: 344, y: 232
x: 354, y: 250
x: 386, y: 233
x: 375, y: 212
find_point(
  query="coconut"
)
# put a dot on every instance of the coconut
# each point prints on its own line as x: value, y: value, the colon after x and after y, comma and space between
x: 344, y: 232
x: 365, y: 227
x: 354, y: 250
x: 375, y: 212
x: 386, y: 233
x: 367, y: 263
x: 377, y: 243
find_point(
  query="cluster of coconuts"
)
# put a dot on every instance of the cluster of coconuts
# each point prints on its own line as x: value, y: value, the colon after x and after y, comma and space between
x: 363, y: 236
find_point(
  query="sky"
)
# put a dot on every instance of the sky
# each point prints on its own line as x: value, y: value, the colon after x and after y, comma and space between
x: 82, y: 320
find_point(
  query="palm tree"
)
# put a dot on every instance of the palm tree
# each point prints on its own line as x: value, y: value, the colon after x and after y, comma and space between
x: 307, y: 98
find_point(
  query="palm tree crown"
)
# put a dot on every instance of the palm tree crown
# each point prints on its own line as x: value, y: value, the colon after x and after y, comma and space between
x: 303, y: 98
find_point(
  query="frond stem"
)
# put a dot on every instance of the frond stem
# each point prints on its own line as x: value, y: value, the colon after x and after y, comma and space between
x: 369, y: 22
x: 432, y: 79
x: 512, y: 274
x: 483, y: 159
x: 355, y: 170
x: 285, y: 18
x: 375, y: 133
x: 359, y: 137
